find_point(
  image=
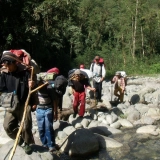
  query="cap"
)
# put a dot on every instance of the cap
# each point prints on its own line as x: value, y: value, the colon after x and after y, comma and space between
x: 117, y: 73
x: 53, y: 70
x: 8, y: 57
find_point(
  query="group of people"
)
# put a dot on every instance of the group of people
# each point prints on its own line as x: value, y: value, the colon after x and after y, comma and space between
x: 98, y: 71
x: 16, y: 78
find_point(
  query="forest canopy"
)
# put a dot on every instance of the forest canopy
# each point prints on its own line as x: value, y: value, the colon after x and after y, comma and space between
x: 67, y: 33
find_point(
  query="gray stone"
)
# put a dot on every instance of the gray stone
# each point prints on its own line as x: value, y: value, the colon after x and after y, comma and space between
x: 93, y: 124
x: 39, y: 153
x: 153, y: 112
x: 68, y: 130
x: 150, y: 129
x: 82, y: 142
x: 133, y: 116
x: 85, y: 123
x: 62, y: 135
x: 78, y: 126
x: 148, y: 120
x: 116, y: 125
x: 125, y: 123
x: 106, y: 142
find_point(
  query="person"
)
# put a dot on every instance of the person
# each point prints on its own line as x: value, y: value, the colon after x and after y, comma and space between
x: 81, y: 66
x: 78, y: 84
x: 46, y: 111
x: 119, y: 88
x: 99, y: 74
x: 15, y: 77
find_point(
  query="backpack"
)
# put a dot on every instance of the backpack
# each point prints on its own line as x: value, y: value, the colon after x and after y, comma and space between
x: 60, y: 85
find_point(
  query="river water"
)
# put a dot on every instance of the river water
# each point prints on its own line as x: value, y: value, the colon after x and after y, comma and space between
x: 135, y: 147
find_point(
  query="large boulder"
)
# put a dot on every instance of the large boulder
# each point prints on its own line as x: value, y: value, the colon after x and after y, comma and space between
x: 81, y: 142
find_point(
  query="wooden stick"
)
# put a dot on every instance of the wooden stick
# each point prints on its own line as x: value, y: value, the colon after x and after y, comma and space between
x: 24, y: 116
x: 31, y: 73
x: 39, y: 87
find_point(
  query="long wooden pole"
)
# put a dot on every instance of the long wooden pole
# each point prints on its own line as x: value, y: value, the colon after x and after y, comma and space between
x: 24, y: 116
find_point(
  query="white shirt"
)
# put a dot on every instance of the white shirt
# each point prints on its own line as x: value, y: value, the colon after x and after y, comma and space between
x: 97, y: 70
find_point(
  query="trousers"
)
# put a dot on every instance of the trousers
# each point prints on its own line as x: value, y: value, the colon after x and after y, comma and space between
x: 120, y: 95
x: 79, y: 99
x: 45, y: 126
x: 12, y: 121
x: 98, y: 87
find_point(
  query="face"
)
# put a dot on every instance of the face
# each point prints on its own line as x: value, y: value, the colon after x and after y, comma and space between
x: 11, y: 67
x: 97, y: 59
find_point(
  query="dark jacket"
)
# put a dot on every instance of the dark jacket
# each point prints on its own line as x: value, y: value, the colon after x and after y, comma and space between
x: 79, y: 86
x: 15, y: 81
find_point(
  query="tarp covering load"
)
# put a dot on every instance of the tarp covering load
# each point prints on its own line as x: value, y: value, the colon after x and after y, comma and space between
x: 71, y: 74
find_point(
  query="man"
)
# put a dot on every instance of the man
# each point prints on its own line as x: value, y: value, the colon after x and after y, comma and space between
x: 78, y: 84
x: 46, y: 112
x: 15, y: 77
x: 81, y: 66
x: 119, y: 86
x: 99, y: 74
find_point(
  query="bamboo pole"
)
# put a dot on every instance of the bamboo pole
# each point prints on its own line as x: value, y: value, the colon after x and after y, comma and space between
x: 39, y: 87
x: 24, y: 116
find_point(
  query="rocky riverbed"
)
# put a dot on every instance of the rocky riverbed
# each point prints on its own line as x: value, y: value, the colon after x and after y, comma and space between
x: 130, y: 130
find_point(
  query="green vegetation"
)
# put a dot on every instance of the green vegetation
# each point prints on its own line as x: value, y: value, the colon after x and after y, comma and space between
x: 66, y: 33
x: 123, y: 116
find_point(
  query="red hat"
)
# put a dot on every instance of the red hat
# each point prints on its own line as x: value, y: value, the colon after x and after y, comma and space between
x: 53, y: 70
x: 82, y: 66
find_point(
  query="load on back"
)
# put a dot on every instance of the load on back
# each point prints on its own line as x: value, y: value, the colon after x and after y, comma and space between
x: 25, y: 57
x: 122, y: 73
x: 59, y: 82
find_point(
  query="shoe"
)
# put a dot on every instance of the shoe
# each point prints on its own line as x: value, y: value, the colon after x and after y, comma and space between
x: 80, y: 117
x: 45, y: 146
x: 75, y: 114
x: 27, y: 149
x: 52, y: 150
x: 20, y: 141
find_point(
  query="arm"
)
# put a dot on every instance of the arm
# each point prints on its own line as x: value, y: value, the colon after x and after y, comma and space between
x: 114, y: 79
x: 103, y: 73
x: 90, y: 88
x: 91, y: 67
x: 55, y: 109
